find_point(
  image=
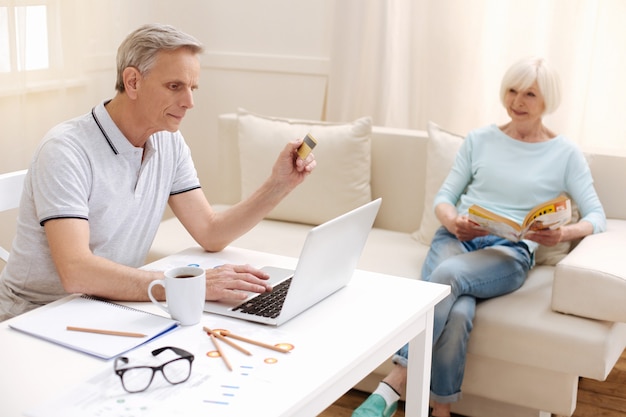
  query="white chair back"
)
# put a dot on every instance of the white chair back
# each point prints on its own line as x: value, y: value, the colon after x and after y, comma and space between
x: 11, y: 185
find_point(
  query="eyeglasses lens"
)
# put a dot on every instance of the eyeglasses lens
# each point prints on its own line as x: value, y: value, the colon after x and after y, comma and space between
x: 177, y: 371
x: 137, y: 379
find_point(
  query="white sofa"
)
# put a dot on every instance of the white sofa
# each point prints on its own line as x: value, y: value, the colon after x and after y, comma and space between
x: 529, y: 348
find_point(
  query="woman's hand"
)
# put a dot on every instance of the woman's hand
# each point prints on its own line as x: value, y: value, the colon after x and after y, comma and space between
x: 460, y: 226
x: 546, y: 237
x: 465, y: 229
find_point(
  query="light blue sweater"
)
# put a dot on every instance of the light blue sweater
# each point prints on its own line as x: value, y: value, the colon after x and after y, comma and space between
x: 510, y: 177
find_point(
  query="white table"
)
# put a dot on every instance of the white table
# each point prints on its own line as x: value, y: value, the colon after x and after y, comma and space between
x: 338, y: 342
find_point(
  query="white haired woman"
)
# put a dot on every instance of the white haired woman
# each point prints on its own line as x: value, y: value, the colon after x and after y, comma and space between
x: 507, y: 169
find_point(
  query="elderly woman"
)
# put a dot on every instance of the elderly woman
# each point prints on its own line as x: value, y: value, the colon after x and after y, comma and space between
x: 507, y: 169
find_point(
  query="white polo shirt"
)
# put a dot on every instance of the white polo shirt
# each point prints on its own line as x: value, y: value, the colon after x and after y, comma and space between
x: 85, y: 168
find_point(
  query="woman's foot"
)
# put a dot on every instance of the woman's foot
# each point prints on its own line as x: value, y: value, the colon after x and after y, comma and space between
x: 441, y: 410
x: 375, y: 406
x: 382, y: 403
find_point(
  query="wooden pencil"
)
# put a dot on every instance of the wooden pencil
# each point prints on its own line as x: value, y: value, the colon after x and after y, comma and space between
x: 219, y: 349
x: 103, y: 331
x: 253, y: 342
x: 228, y: 342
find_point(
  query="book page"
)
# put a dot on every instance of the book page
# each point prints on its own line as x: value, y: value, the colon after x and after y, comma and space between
x: 489, y: 219
x: 494, y: 223
x: 549, y: 215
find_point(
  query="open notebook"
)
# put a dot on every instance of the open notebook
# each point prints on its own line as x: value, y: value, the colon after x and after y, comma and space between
x: 51, y: 322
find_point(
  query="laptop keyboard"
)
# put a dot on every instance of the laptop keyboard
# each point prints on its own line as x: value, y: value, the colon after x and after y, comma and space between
x: 267, y: 304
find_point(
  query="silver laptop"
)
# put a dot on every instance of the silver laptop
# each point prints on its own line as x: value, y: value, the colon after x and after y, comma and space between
x: 326, y: 264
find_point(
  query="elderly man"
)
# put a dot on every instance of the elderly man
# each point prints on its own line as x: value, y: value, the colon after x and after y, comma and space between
x: 98, y: 185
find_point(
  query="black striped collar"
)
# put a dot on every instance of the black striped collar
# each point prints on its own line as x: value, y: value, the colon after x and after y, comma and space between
x: 95, y: 118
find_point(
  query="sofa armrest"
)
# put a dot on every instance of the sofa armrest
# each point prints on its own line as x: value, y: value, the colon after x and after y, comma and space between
x: 591, y: 280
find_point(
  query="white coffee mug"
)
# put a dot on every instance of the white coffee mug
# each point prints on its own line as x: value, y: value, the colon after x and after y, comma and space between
x: 185, y: 292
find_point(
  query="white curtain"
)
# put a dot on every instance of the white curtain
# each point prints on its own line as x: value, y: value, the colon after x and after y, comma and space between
x: 405, y: 62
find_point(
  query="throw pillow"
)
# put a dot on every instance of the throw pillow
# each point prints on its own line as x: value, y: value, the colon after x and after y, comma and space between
x: 441, y: 151
x: 339, y: 183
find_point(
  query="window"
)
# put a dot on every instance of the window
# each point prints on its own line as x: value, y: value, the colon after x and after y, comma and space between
x: 5, y: 53
x: 29, y: 49
x: 24, y: 38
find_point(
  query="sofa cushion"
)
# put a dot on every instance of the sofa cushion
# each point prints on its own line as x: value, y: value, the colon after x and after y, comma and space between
x: 522, y: 328
x: 339, y: 183
x: 441, y: 151
x: 591, y: 281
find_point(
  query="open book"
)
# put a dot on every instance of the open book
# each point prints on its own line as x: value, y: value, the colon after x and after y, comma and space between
x: 551, y: 214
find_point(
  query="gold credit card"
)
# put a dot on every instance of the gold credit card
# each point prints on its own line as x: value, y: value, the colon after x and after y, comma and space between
x: 307, y: 146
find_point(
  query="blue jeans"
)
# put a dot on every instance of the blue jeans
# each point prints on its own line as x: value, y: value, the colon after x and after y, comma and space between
x: 482, y: 268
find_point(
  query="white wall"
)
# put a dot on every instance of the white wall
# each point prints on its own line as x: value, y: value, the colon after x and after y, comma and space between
x: 266, y: 56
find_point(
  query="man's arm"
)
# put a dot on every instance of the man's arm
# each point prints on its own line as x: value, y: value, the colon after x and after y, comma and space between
x: 83, y: 272
x: 215, y: 230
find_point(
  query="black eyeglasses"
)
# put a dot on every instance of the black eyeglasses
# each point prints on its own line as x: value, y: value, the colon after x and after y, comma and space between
x: 138, y: 378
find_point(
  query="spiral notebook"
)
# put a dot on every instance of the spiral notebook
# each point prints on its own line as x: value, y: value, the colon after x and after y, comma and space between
x: 51, y: 323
